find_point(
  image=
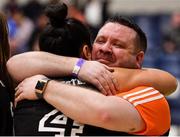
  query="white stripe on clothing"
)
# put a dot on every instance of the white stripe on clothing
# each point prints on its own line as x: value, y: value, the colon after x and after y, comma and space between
x: 148, y: 100
x: 138, y: 92
x: 144, y: 95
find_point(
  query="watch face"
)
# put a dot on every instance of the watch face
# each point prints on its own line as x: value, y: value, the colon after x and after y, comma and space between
x: 40, y: 85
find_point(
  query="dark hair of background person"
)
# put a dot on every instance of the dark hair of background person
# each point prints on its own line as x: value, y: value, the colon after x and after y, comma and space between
x: 142, y: 41
x: 63, y: 36
x: 4, y: 54
x: 4, y: 44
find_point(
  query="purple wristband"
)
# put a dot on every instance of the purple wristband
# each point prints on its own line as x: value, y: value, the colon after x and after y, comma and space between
x: 77, y: 67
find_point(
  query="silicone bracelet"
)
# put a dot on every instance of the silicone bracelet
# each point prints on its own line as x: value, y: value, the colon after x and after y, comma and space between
x: 77, y: 67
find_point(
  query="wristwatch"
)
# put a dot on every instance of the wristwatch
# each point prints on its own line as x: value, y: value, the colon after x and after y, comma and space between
x: 41, y: 87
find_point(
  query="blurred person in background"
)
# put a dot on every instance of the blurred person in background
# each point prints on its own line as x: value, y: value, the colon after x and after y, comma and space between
x: 168, y: 58
x: 93, y: 12
x: 24, y: 29
x: 74, y: 12
x: 8, y: 9
x: 33, y: 9
x: 173, y: 32
x: 6, y: 90
x: 40, y: 24
x: 39, y: 20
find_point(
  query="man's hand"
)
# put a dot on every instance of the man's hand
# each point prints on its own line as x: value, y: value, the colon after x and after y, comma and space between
x: 26, y: 89
x: 100, y: 76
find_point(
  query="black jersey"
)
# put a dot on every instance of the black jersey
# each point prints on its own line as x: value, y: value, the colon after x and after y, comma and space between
x: 6, y: 121
x: 38, y: 118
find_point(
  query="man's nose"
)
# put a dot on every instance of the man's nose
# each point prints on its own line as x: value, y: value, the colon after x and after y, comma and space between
x: 106, y: 47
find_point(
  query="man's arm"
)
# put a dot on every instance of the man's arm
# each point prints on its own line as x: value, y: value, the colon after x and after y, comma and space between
x: 142, y: 109
x: 109, y: 112
x: 147, y: 114
x: 86, y: 106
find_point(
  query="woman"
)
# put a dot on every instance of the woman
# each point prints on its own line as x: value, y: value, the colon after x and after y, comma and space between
x: 5, y: 83
x: 61, y: 36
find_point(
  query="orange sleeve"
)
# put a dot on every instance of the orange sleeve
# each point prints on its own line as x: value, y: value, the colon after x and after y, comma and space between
x: 153, y: 108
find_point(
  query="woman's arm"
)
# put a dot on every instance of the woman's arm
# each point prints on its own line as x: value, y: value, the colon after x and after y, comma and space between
x: 28, y: 64
x: 33, y: 63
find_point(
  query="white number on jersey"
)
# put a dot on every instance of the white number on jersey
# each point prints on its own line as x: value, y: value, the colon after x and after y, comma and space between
x: 61, y: 121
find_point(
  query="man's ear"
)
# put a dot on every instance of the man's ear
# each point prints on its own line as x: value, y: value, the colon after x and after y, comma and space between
x: 139, y: 59
x: 86, y: 52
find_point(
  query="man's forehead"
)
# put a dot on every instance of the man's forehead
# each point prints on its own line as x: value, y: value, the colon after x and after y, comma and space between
x: 113, y: 26
x: 117, y: 28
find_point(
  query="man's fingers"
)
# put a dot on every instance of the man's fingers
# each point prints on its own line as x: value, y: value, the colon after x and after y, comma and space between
x: 109, y: 68
x: 18, y: 98
x: 16, y: 88
x: 114, y: 81
x: 15, y: 104
x: 19, y: 85
x: 100, y: 87
x: 18, y: 92
x: 109, y: 84
x: 104, y: 78
x: 116, y: 84
x: 104, y: 83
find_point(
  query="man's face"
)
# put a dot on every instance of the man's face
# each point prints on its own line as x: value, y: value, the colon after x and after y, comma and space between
x: 115, y: 46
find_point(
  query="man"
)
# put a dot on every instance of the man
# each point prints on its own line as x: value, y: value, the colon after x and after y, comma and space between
x: 116, y: 39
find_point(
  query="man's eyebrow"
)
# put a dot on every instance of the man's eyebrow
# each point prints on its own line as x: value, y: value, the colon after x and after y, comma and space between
x: 119, y: 41
x: 100, y: 36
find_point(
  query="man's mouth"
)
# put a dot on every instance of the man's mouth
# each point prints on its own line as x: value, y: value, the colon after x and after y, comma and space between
x: 104, y: 61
